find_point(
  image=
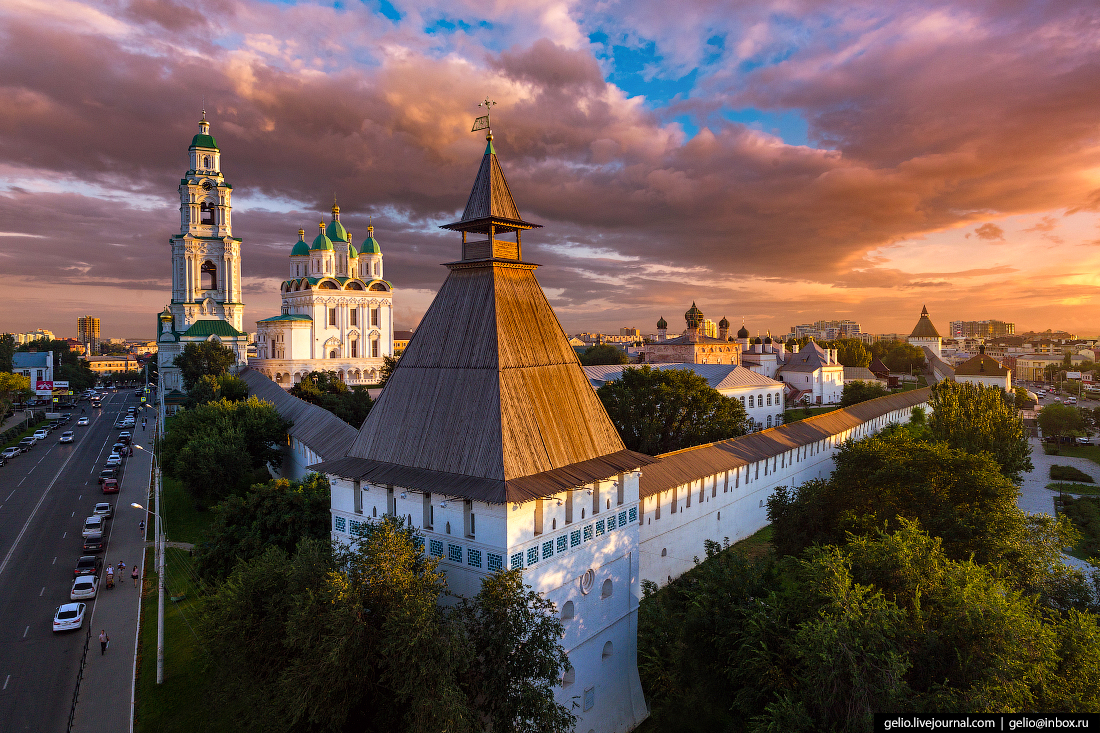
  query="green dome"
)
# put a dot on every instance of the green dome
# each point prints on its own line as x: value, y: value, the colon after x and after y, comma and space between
x: 724, y: 323
x: 336, y: 231
x: 204, y: 141
x: 301, y: 249
x: 694, y: 317
x: 321, y: 242
x: 351, y: 251
x: 370, y: 244
x: 662, y: 323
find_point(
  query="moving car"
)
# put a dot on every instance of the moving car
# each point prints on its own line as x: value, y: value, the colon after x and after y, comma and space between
x: 110, y: 486
x: 84, y: 588
x: 41, y: 434
x: 66, y: 437
x: 11, y: 452
x: 87, y: 565
x: 94, y: 544
x: 69, y: 617
x: 27, y: 443
x: 96, y: 402
x: 104, y: 509
x: 83, y: 421
x: 93, y: 527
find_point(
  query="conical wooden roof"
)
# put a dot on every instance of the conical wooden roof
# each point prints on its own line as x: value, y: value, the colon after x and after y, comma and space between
x: 924, y: 327
x: 489, y: 400
x: 490, y: 201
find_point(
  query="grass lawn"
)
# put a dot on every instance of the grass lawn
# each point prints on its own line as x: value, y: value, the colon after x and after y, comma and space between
x: 756, y: 545
x: 183, y: 522
x: 183, y: 702
x: 1071, y: 488
x: 24, y: 434
x: 1091, y: 452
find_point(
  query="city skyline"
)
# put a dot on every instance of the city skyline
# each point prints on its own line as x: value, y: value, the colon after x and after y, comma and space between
x: 781, y: 163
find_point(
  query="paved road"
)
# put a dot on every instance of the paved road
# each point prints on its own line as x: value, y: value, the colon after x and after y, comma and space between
x: 45, y: 495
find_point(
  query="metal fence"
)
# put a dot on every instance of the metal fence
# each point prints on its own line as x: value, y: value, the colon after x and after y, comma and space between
x: 79, y: 678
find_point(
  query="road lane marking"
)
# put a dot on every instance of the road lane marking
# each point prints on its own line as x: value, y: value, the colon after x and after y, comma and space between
x: 21, y: 482
x: 6, y: 681
x: 10, y: 495
x: 73, y: 514
x: 55, y: 559
x: 43, y: 589
x: 25, y: 632
x: 62, y: 537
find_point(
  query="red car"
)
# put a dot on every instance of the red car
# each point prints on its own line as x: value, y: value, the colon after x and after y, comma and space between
x: 110, y: 486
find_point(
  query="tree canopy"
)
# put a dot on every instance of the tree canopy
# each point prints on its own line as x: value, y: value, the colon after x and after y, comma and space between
x: 7, y: 350
x: 861, y: 391
x: 201, y: 359
x: 68, y: 366
x: 603, y: 354
x: 1059, y: 421
x: 279, y: 513
x: 662, y: 410
x: 849, y: 352
x: 975, y: 418
x: 356, y: 639
x: 899, y: 356
x: 210, y: 388
x: 389, y: 363
x: 218, y: 448
x: 13, y: 388
x: 325, y: 389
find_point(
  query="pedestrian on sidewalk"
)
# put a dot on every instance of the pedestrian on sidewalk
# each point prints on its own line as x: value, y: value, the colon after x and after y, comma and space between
x: 110, y: 576
x: 121, y: 570
x: 134, y: 575
x: 141, y: 527
x: 104, y: 640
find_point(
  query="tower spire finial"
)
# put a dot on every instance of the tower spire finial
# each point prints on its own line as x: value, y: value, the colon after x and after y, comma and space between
x: 335, y: 208
x: 484, y: 122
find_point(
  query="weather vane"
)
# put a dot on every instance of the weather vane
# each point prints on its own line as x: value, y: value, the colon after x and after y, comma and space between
x: 482, y: 123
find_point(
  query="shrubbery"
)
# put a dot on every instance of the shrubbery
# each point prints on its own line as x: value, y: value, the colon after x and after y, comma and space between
x: 1069, y: 473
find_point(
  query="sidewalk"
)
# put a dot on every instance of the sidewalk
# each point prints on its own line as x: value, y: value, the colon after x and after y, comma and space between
x: 1034, y: 496
x: 105, y: 702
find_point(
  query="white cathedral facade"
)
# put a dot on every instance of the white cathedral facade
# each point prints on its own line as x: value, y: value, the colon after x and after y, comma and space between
x: 206, y: 265
x: 336, y: 315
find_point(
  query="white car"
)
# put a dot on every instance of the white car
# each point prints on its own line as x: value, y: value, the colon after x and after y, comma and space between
x: 114, y: 460
x: 129, y: 422
x: 84, y: 587
x: 93, y: 527
x: 83, y: 421
x: 40, y: 434
x: 66, y: 437
x: 9, y: 453
x: 69, y: 617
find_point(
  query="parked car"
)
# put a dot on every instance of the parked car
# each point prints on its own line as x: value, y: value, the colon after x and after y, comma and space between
x: 110, y: 486
x: 125, y: 437
x: 88, y: 565
x: 69, y: 616
x: 93, y: 527
x: 104, y: 509
x: 129, y: 422
x: 66, y: 437
x: 1083, y: 441
x: 83, y: 421
x: 94, y: 544
x: 107, y: 473
x: 114, y: 460
x: 41, y: 434
x: 27, y: 443
x: 84, y: 588
x: 11, y: 452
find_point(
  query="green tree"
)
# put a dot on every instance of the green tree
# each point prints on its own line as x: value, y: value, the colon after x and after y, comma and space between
x: 603, y: 354
x: 662, y: 410
x: 325, y: 389
x: 389, y: 363
x: 516, y: 659
x: 850, y: 352
x: 197, y: 360
x: 210, y: 388
x: 7, y: 350
x: 13, y: 388
x: 1060, y: 421
x: 246, y: 434
x: 861, y: 391
x: 975, y: 418
x: 279, y: 513
x: 1020, y: 398
x: 68, y: 366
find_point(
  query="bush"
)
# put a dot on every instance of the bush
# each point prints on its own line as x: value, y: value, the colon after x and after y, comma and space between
x: 1069, y: 473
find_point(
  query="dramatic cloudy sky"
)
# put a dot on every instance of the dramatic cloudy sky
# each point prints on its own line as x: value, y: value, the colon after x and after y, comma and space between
x: 779, y: 160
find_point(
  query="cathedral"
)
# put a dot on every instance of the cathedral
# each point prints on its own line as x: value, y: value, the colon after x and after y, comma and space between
x: 337, y: 311
x: 206, y: 265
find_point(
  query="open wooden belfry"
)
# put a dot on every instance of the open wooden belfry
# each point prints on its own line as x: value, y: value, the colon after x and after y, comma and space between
x: 489, y: 401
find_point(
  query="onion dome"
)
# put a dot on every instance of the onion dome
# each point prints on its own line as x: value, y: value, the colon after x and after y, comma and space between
x: 321, y: 242
x: 742, y: 333
x: 757, y: 340
x: 204, y: 139
x: 336, y: 231
x: 301, y: 249
x: 370, y: 244
x: 662, y: 323
x: 352, y: 252
x: 724, y: 323
x: 693, y: 316
x: 165, y: 315
x: 768, y: 338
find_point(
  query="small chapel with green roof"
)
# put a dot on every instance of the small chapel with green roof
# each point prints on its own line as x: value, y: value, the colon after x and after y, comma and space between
x: 336, y: 314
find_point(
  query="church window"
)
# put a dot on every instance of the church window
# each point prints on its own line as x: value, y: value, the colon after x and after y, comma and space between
x: 353, y: 314
x: 332, y: 354
x: 769, y: 421
x: 209, y: 276
x: 332, y: 316
x: 206, y: 162
x: 206, y: 213
x: 354, y: 348
x: 374, y: 348
x: 769, y: 399
x: 374, y: 315
x: 752, y: 401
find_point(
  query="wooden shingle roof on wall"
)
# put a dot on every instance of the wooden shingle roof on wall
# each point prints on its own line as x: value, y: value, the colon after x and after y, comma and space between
x: 326, y: 435
x: 692, y: 464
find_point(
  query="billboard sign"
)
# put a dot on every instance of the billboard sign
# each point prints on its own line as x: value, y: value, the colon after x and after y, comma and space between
x: 1073, y: 375
x: 41, y: 386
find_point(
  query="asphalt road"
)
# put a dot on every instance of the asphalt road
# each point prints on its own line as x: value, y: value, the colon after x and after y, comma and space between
x: 45, y: 495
